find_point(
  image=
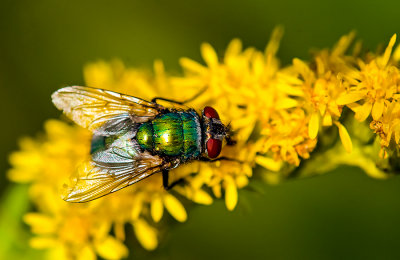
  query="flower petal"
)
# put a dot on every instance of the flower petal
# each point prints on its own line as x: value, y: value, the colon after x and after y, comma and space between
x: 146, y: 234
x: 156, y: 208
x: 86, y: 253
x: 40, y: 224
x: 193, y: 66
x: 137, y: 207
x: 268, y: 163
x: 273, y: 44
x: 362, y: 111
x: 348, y: 98
x: 285, y: 103
x: 209, y: 55
x: 111, y: 248
x: 388, y: 51
x: 42, y: 242
x: 217, y: 190
x: 396, y: 53
x: 377, y: 109
x: 58, y: 252
x: 327, y: 120
x: 98, y: 74
x: 241, y: 181
x: 202, y: 197
x: 313, y: 125
x: 175, y: 207
x: 231, y: 194
x: 344, y: 137
x: 234, y: 48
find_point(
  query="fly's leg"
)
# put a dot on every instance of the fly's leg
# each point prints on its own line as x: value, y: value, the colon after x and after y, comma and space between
x: 165, y: 173
x: 154, y: 100
x: 222, y: 158
x: 165, y: 177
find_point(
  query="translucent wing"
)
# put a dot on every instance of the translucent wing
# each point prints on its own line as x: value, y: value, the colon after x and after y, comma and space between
x: 93, y: 181
x: 111, y: 169
x: 93, y: 108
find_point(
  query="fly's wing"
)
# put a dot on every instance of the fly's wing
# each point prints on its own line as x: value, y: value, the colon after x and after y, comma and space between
x: 116, y: 165
x: 110, y: 170
x: 93, y: 180
x: 102, y: 110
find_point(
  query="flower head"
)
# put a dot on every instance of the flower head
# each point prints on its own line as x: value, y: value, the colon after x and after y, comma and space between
x: 373, y: 89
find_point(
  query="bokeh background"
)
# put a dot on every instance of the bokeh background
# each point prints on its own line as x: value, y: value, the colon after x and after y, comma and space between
x: 44, y: 45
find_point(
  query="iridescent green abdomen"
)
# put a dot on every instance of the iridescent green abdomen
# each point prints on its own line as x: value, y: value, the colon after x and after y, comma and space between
x: 172, y: 134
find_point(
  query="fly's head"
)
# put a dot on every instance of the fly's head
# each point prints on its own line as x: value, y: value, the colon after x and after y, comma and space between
x: 214, y: 132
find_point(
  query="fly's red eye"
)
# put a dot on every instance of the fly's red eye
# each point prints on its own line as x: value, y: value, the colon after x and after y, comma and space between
x: 213, y: 147
x: 210, y: 112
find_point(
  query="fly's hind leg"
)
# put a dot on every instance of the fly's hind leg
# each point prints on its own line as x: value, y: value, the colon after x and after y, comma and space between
x: 166, y: 185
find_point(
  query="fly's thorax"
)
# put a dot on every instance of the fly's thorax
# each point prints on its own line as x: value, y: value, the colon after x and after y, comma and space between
x: 172, y: 134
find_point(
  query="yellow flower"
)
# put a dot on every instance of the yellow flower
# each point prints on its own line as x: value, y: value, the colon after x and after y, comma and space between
x: 373, y: 87
x: 74, y: 234
x: 56, y: 155
x: 322, y: 85
x: 388, y: 125
x: 374, y: 83
x: 288, y: 137
x: 70, y: 230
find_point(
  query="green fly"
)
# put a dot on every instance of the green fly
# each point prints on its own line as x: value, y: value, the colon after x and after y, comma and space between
x: 133, y: 139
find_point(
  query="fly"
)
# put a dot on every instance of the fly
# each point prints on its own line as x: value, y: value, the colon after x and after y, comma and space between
x: 133, y: 139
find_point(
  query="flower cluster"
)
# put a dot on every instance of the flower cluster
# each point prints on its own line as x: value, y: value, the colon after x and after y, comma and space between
x: 279, y: 116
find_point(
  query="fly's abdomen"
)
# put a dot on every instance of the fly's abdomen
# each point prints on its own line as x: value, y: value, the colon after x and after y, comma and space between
x: 172, y: 134
x: 144, y: 136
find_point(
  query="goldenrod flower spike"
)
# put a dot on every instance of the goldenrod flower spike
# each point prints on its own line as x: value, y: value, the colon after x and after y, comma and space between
x: 279, y: 115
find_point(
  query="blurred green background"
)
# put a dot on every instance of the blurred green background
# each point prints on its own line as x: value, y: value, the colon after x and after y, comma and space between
x: 44, y: 45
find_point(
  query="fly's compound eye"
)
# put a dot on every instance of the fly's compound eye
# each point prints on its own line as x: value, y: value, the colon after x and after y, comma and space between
x: 213, y: 147
x: 210, y: 112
